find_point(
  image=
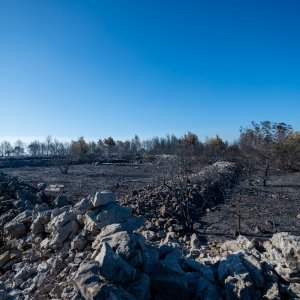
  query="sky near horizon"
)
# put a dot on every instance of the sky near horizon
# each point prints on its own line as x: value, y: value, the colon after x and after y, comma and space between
x: 120, y: 68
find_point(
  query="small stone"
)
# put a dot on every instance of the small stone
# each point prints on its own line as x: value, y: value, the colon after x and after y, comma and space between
x: 78, y: 243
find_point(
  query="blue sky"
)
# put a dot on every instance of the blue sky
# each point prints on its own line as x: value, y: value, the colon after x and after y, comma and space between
x: 119, y: 68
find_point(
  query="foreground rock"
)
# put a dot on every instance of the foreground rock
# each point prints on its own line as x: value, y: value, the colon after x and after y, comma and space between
x: 96, y: 249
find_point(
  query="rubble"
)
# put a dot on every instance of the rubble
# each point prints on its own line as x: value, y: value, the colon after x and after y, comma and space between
x: 97, y: 249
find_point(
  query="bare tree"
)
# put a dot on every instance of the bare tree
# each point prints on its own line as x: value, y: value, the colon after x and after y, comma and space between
x: 7, y: 148
x: 34, y: 148
x: 48, y: 142
x: 262, y: 144
x: 19, y: 148
x: 179, y: 183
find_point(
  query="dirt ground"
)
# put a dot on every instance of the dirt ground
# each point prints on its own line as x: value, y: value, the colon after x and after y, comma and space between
x: 264, y: 210
x: 87, y: 179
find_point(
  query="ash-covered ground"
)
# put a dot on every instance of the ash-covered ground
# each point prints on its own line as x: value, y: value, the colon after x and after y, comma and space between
x: 263, y: 210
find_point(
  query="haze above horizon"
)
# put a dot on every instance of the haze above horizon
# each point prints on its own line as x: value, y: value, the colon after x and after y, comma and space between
x: 120, y: 68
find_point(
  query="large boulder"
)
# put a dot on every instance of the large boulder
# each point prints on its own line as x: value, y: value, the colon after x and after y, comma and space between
x: 242, y: 276
x: 88, y: 280
x: 67, y: 231
x: 105, y: 215
x: 59, y: 221
x: 133, y: 223
x: 14, y: 230
x: 128, y: 246
x: 17, y: 226
x: 167, y: 283
x: 140, y: 288
x: 113, y: 267
x: 205, y: 290
x: 39, y: 222
x: 283, y: 252
x: 91, y: 287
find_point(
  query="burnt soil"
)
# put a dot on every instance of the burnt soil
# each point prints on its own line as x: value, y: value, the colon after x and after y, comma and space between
x: 263, y: 210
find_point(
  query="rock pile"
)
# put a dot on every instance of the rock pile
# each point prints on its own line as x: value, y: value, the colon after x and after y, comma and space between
x: 96, y: 249
x: 162, y: 209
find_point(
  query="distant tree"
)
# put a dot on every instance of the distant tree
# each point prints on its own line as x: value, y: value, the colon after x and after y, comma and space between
x: 34, y: 148
x: 124, y: 150
x: 263, y: 144
x: 100, y: 149
x: 110, y: 147
x: 190, y: 139
x: 216, y: 142
x: 19, y: 148
x: 190, y: 143
x: 109, y: 141
x: 78, y: 149
x: 135, y: 145
x: 7, y: 148
x: 215, y: 148
x: 92, y: 148
x: 48, y: 142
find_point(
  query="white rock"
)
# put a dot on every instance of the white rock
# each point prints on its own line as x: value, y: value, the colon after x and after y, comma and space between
x: 83, y: 206
x: 106, y: 215
x: 104, y: 198
x: 113, y: 267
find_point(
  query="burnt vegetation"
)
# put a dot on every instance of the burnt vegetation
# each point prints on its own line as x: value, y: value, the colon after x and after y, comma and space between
x: 178, y: 183
x: 169, y: 210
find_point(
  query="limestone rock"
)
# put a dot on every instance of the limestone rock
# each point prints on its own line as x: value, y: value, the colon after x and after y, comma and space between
x: 140, y: 288
x: 150, y: 258
x: 113, y: 267
x: 168, y: 284
x: 241, y: 243
x: 133, y: 223
x: 59, y: 210
x: 149, y: 235
x: 88, y: 280
x: 65, y: 232
x: 237, y: 278
x: 14, y: 230
x: 283, y: 252
x: 106, y: 215
x: 206, y: 271
x: 61, y: 201
x: 39, y: 222
x: 127, y: 245
x: 271, y: 291
x: 78, y: 243
x: 172, y: 261
x: 103, y: 198
x: 60, y: 220
x: 206, y: 290
x: 83, y: 206
x: 240, y: 287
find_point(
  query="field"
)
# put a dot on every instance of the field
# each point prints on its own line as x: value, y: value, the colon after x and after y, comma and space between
x: 264, y: 210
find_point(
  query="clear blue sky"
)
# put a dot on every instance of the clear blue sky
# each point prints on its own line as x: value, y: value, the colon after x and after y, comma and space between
x: 119, y: 68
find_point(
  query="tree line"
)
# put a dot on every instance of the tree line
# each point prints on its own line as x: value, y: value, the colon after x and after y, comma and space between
x: 265, y: 144
x: 109, y: 148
